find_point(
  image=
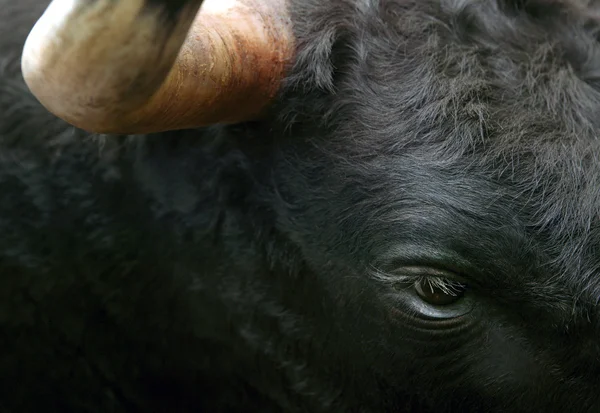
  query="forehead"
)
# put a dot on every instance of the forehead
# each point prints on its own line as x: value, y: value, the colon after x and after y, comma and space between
x: 489, y: 143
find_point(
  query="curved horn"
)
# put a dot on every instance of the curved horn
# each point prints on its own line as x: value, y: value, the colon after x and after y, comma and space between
x: 143, y: 66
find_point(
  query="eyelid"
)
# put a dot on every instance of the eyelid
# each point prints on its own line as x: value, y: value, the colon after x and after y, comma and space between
x: 429, y: 271
x: 411, y: 274
x: 441, y: 260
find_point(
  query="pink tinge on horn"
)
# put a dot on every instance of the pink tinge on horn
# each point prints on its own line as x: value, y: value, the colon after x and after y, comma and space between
x: 144, y: 66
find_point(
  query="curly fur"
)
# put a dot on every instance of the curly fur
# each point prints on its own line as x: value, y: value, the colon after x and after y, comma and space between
x: 229, y: 269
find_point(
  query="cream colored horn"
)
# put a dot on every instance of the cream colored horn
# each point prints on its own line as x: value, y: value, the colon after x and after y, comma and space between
x: 143, y: 66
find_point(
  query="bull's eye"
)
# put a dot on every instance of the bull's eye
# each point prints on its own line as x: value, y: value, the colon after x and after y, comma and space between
x: 429, y: 293
x: 439, y: 291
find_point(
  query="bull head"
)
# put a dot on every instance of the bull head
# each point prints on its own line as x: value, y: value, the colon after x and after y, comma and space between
x: 143, y: 66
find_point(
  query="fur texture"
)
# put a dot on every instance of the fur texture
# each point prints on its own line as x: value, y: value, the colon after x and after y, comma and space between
x: 238, y: 268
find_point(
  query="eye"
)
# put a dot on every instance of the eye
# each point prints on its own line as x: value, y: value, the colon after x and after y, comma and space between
x: 429, y: 293
x: 439, y: 291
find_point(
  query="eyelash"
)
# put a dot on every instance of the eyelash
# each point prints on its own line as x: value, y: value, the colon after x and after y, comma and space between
x: 446, y: 285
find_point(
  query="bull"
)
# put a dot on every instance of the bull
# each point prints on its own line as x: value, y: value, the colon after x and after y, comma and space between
x: 299, y: 206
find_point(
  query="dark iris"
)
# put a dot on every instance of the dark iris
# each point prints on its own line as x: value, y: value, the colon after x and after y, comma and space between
x: 435, y: 295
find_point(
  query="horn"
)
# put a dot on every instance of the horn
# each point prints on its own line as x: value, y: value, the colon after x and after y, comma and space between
x: 145, y: 66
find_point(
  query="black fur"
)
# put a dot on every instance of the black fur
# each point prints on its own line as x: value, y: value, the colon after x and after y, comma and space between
x: 230, y: 269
